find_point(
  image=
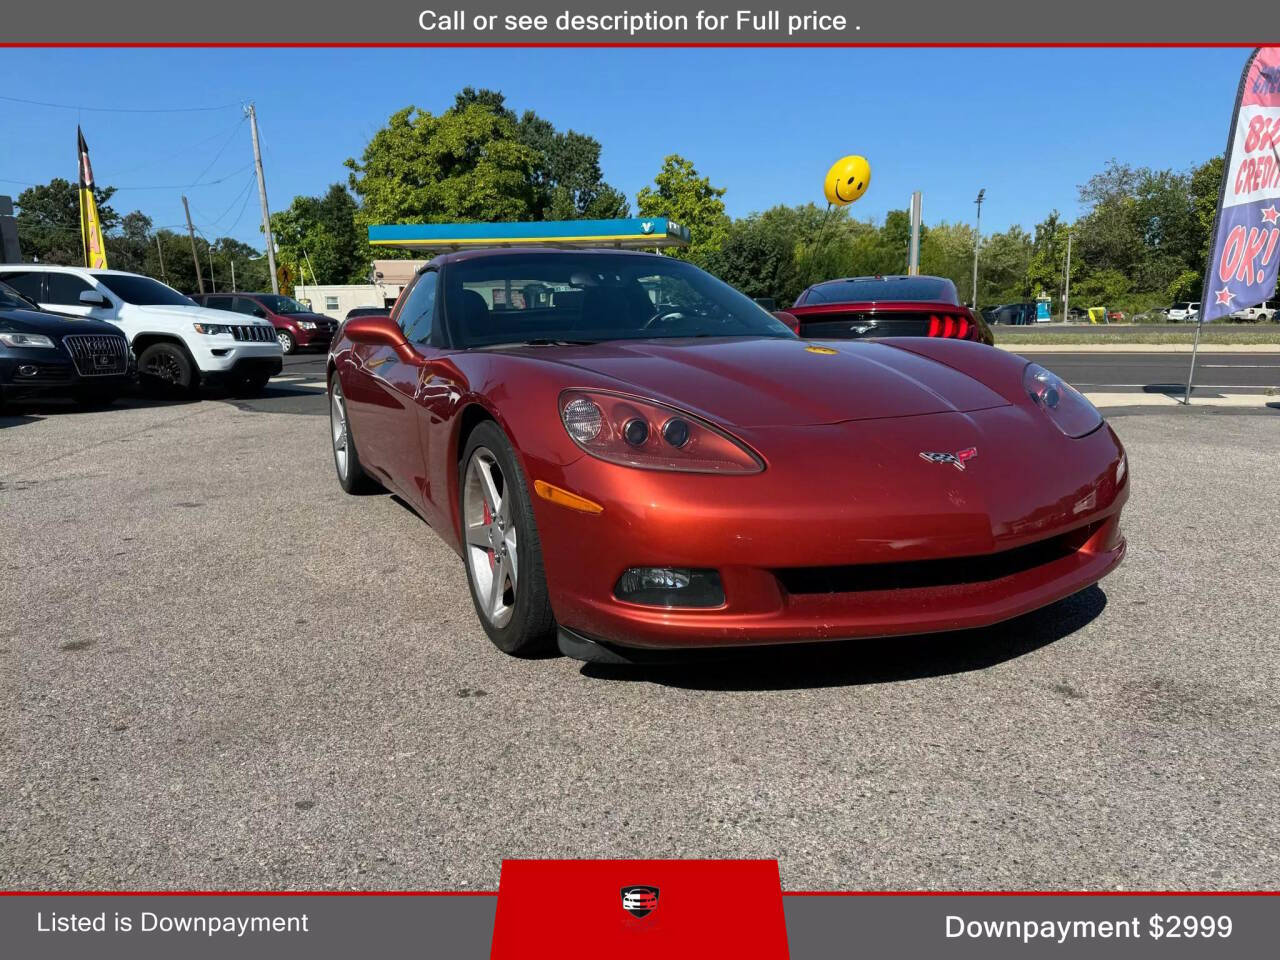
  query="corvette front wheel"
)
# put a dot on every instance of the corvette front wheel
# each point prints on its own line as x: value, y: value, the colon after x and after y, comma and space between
x: 501, y: 546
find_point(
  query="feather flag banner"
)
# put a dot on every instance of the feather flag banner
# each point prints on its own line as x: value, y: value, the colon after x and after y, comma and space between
x: 95, y: 250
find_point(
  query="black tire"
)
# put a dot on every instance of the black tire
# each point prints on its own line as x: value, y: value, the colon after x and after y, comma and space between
x: 165, y: 369
x: 351, y: 476
x: 531, y: 629
x: 94, y: 399
x: 287, y: 343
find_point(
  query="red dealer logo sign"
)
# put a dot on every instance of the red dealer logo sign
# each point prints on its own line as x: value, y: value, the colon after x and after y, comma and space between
x: 570, y: 908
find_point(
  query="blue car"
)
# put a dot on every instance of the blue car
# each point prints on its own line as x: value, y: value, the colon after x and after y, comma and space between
x: 43, y: 353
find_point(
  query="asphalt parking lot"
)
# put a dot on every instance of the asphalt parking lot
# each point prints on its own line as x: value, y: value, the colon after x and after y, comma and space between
x: 220, y: 672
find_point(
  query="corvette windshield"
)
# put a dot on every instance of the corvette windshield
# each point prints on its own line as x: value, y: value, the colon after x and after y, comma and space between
x: 559, y: 297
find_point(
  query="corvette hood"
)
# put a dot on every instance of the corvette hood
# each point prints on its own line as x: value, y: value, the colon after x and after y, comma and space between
x: 773, y: 382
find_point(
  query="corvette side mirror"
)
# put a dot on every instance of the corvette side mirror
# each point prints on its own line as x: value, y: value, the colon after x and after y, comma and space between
x: 378, y: 331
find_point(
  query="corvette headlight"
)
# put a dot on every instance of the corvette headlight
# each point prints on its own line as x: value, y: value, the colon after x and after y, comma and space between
x: 305, y: 324
x: 26, y: 340
x: 651, y: 435
x: 212, y: 329
x: 1068, y: 408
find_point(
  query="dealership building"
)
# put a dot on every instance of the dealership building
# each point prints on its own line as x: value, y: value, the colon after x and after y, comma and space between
x: 388, y: 278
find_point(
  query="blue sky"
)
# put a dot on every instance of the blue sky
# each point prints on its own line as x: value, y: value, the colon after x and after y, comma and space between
x: 1028, y: 125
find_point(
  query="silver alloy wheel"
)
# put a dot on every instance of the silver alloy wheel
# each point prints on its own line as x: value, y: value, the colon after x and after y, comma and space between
x: 338, y: 423
x: 286, y: 341
x: 490, y: 537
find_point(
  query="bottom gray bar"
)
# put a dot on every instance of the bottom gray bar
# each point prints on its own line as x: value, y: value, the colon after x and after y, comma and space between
x: 459, y: 927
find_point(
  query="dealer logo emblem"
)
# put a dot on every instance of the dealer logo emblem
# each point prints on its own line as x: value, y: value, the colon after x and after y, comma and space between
x: 956, y: 459
x: 639, y: 901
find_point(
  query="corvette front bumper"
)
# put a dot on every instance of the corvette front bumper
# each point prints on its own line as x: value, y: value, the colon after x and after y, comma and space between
x: 847, y: 533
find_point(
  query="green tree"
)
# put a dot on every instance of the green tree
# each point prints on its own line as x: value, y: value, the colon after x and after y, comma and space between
x: 1002, y: 267
x: 566, y: 177
x: 325, y: 230
x: 1206, y: 187
x: 1047, y: 267
x: 946, y: 250
x: 466, y: 164
x: 478, y: 161
x: 127, y: 250
x: 48, y: 219
x: 681, y: 195
x: 756, y: 258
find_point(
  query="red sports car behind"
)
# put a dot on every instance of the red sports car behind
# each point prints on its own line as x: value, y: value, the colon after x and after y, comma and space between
x: 630, y: 455
x: 857, y: 307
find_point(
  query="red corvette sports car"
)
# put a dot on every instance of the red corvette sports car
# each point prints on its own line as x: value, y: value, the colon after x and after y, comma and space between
x: 629, y: 455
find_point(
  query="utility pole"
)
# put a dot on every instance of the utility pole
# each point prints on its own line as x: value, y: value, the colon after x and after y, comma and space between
x: 195, y: 257
x: 160, y: 254
x: 233, y: 274
x: 913, y: 248
x: 213, y: 283
x: 252, y: 113
x: 977, y: 242
x: 1066, y: 283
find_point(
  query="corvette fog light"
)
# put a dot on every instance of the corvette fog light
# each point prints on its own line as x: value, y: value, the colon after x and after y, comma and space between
x: 670, y: 587
x: 1122, y: 468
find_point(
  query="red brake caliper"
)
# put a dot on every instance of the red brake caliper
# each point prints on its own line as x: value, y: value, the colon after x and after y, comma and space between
x: 488, y: 519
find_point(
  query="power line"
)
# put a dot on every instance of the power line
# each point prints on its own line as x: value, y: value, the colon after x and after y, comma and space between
x: 188, y: 186
x: 239, y: 196
x: 72, y: 106
x: 243, y: 207
x: 159, y: 186
x: 154, y: 159
x: 221, y: 150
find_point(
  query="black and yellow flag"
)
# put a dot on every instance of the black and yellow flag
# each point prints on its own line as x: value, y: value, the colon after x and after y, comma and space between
x: 95, y: 251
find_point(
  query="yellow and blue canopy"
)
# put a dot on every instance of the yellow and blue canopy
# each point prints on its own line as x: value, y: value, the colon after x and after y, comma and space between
x: 631, y: 233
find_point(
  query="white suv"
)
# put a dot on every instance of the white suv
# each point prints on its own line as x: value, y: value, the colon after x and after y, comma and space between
x: 1262, y: 313
x: 179, y: 345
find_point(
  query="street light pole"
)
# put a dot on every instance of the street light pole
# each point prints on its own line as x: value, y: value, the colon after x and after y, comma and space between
x: 1066, y: 283
x: 977, y: 242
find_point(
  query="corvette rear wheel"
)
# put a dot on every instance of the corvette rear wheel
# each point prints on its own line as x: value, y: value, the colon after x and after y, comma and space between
x: 501, y: 545
x: 346, y: 461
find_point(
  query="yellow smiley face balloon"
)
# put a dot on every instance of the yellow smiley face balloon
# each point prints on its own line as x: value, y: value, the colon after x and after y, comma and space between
x: 847, y: 180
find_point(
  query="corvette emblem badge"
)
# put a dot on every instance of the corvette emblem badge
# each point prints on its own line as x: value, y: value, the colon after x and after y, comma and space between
x: 956, y: 459
x: 639, y: 901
